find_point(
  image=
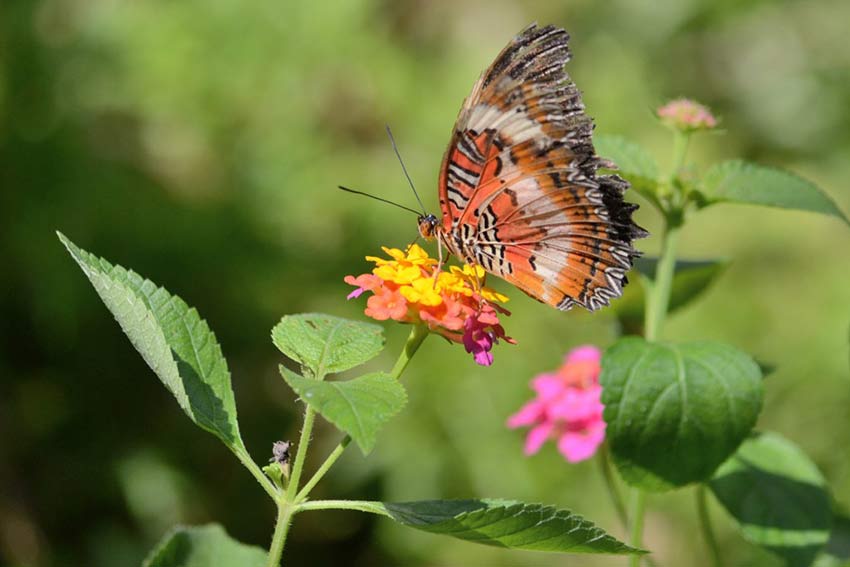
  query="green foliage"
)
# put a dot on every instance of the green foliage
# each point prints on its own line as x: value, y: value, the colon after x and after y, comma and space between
x: 506, y: 523
x: 778, y: 497
x: 675, y: 412
x: 173, y: 340
x: 690, y: 280
x: 742, y: 182
x: 203, y: 546
x: 634, y: 163
x: 360, y: 406
x: 323, y: 344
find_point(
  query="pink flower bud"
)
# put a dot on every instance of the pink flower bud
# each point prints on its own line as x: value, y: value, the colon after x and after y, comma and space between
x: 686, y: 115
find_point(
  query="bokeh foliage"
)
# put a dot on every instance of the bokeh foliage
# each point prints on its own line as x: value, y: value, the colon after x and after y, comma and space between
x: 200, y: 142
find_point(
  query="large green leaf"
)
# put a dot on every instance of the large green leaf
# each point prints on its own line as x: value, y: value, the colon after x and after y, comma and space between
x: 633, y: 162
x: 324, y: 344
x: 203, y: 546
x: 675, y: 412
x: 507, y: 523
x: 360, y: 406
x: 690, y: 280
x: 174, y: 341
x: 742, y: 182
x: 778, y: 497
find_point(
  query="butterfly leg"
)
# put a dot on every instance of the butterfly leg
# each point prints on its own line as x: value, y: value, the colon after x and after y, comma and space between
x: 439, y: 261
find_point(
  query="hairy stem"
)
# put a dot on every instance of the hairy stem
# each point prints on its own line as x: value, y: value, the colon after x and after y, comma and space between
x: 320, y: 472
x: 301, y: 455
x: 284, y: 520
x: 706, y: 528
x: 244, y: 458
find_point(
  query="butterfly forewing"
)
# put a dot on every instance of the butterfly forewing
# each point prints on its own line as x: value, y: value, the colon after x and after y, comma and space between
x: 519, y: 189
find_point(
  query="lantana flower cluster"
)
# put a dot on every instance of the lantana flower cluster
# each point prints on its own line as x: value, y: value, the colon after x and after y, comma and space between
x: 567, y: 408
x: 411, y: 287
x: 686, y: 115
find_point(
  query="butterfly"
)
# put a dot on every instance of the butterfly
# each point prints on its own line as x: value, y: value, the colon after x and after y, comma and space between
x: 518, y: 187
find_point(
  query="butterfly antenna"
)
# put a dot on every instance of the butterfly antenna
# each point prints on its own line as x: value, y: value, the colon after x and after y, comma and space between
x: 404, y: 169
x: 414, y: 211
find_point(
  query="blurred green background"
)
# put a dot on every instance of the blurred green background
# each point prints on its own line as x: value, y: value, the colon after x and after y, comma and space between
x: 200, y: 142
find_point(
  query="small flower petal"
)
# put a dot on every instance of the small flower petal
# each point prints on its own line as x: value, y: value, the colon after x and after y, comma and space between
x: 527, y: 414
x: 578, y: 446
x: 537, y: 436
x: 584, y: 353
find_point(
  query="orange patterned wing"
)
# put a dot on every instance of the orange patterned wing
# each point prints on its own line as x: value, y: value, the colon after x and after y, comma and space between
x: 519, y: 189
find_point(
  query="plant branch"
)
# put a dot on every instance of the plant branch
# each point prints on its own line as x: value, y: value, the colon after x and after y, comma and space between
x: 706, y: 528
x: 301, y: 455
x: 244, y: 458
x: 414, y: 341
x: 320, y: 472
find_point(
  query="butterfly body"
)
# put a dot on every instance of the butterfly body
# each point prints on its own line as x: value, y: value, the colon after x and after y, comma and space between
x: 518, y: 186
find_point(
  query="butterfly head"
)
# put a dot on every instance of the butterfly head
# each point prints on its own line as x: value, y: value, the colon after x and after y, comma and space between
x: 428, y: 226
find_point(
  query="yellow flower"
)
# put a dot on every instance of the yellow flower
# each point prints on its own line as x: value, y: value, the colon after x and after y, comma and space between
x: 423, y: 291
x: 402, y: 275
x: 415, y: 256
x: 404, y: 268
x: 471, y: 278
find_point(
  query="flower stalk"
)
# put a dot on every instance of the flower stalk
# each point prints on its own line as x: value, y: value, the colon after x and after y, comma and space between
x: 705, y: 526
x: 638, y: 507
x: 684, y: 117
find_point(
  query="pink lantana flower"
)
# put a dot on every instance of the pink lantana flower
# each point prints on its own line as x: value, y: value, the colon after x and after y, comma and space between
x: 567, y: 408
x: 686, y: 115
x: 411, y: 287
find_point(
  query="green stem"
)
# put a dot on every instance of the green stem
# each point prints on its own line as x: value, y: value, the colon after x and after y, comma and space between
x: 414, y: 341
x: 705, y: 527
x: 359, y: 505
x: 301, y: 455
x: 320, y: 472
x: 638, y: 504
x: 659, y: 298
x: 285, y: 512
x: 680, y: 149
x: 244, y: 458
x: 604, y: 459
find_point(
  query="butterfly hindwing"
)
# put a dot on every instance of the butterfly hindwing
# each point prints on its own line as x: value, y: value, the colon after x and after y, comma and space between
x: 519, y: 189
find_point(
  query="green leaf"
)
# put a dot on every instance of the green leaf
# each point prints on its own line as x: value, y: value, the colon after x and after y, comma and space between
x: 173, y: 340
x: 507, y: 523
x: 690, y: 280
x: 360, y: 406
x: 324, y: 344
x: 778, y: 497
x: 633, y: 163
x: 675, y: 412
x: 743, y: 182
x: 203, y: 546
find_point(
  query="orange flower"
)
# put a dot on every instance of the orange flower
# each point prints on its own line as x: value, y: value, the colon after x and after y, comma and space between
x: 410, y: 287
